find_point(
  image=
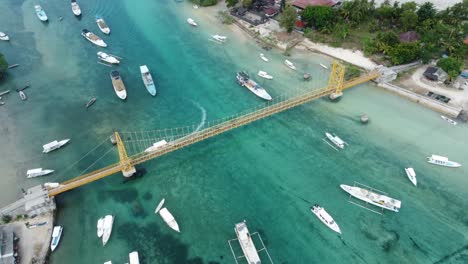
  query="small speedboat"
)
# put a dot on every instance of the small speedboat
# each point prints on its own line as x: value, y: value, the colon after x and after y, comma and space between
x: 448, y: 120
x: 75, y: 8
x: 148, y: 80
x: 323, y: 66
x: 289, y: 64
x: 192, y: 22
x: 160, y: 205
x: 107, y: 58
x: 54, y: 145
x: 219, y: 38
x: 40, y: 13
x: 325, y: 218
x: 265, y: 75
x: 90, y: 102
x: 169, y: 219
x: 37, y: 172
x: 22, y: 96
x: 108, y: 222
x: 93, y: 38
x: 411, y: 175
x: 102, y: 25
x: 118, y: 84
x: 262, y: 56
x: 4, y: 36
x: 100, y: 227
x: 56, y: 234
x: 442, y: 161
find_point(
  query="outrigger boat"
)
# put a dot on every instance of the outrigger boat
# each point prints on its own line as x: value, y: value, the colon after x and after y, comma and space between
x: 262, y: 56
x: 325, y: 218
x: 244, y: 80
x: 442, y: 161
x: 40, y: 13
x: 54, y: 145
x: 448, y: 120
x: 290, y: 64
x: 156, y: 146
x: 37, y: 172
x: 335, y: 140
x: 118, y: 84
x: 90, y: 102
x: 107, y: 58
x: 265, y: 75
x: 219, y: 38
x: 160, y: 205
x: 372, y: 197
x: 75, y: 8
x: 102, y: 25
x: 148, y: 80
x: 93, y: 38
x: 169, y: 219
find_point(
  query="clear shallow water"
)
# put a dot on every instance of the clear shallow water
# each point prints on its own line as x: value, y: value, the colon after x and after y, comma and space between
x: 268, y: 173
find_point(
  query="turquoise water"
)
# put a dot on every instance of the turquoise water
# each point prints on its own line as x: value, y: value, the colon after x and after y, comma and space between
x: 268, y: 173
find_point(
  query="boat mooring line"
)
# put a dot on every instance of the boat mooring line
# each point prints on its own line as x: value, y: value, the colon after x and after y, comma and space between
x: 105, y: 64
x: 324, y: 140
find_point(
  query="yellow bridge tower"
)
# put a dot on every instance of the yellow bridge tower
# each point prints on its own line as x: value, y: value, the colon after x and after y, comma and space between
x: 127, y: 168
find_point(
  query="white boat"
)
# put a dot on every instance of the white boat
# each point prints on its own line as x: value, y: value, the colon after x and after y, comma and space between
x: 102, y: 25
x: 192, y: 22
x: 93, y: 38
x: 4, y: 36
x: 219, y: 38
x: 262, y: 56
x: 335, y: 140
x: 40, y: 13
x: 442, y: 161
x: 156, y: 145
x: 169, y: 219
x: 118, y: 85
x: 54, y: 145
x: 246, y: 243
x: 374, y: 198
x: 290, y: 64
x: 148, y: 80
x: 265, y: 75
x: 108, y: 262
x: 448, y: 120
x: 100, y: 227
x: 411, y: 175
x: 134, y: 259
x: 56, y: 234
x: 323, y: 66
x: 22, y: 96
x: 37, y: 172
x: 325, y: 218
x: 244, y: 80
x: 107, y: 228
x: 75, y: 8
x: 160, y: 205
x: 107, y: 58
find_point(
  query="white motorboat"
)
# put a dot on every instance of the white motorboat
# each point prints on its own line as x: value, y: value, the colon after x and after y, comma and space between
x: 93, y: 38
x: 108, y: 262
x: 335, y: 140
x: 325, y: 218
x: 118, y: 84
x: 148, y: 80
x: 100, y: 227
x: 22, y: 96
x: 75, y: 8
x: 442, y: 161
x: 160, y: 205
x: 37, y: 172
x: 169, y: 219
x: 56, y: 234
x: 192, y: 22
x: 411, y: 175
x: 290, y: 64
x: 102, y: 25
x: 107, y: 228
x: 265, y: 75
x: 156, y: 145
x: 134, y: 258
x: 448, y: 120
x: 40, y: 13
x: 4, y: 36
x: 54, y: 145
x: 371, y: 197
x: 219, y: 38
x: 323, y: 66
x: 107, y: 58
x: 262, y: 56
x: 246, y: 243
x: 244, y: 80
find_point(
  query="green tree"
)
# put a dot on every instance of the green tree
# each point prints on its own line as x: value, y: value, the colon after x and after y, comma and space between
x: 409, y: 20
x: 231, y: 3
x: 404, y: 53
x: 318, y: 16
x: 205, y: 2
x: 288, y: 18
x: 247, y: 3
x: 409, y: 6
x: 451, y: 65
x: 3, y: 66
x: 426, y: 11
x: 357, y: 11
x: 386, y: 41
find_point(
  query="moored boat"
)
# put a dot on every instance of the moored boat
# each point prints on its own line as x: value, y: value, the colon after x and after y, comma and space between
x: 22, y: 96
x: 219, y: 38
x: 265, y: 75
x: 325, y: 218
x: 323, y: 66
x: 107, y: 228
x: 448, y: 120
x: 107, y: 58
x: 90, y: 102
x: 156, y: 145
x: 442, y: 161
x: 75, y: 8
x: 54, y: 145
x: 56, y: 234
x: 37, y: 172
x: 335, y: 140
x: 262, y: 56
x: 40, y: 13
x: 118, y: 84
x: 192, y: 22
x: 290, y: 64
x: 160, y: 205
x: 100, y: 227
x: 244, y: 80
x: 102, y: 25
x: 4, y: 36
x: 373, y: 198
x: 411, y: 175
x: 148, y: 80
x: 246, y: 243
x: 134, y: 258
x: 169, y: 219
x: 93, y: 38
x: 108, y: 262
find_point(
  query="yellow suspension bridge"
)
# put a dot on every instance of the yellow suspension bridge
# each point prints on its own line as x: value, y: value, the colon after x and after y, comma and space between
x: 127, y: 163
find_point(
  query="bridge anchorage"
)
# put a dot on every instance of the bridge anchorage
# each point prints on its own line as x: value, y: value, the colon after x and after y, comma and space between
x: 174, y: 139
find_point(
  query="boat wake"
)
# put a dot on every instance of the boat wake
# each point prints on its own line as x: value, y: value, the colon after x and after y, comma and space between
x: 203, y: 119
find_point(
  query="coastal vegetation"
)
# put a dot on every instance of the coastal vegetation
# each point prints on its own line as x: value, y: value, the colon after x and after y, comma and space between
x: 3, y: 66
x: 225, y: 17
x: 287, y: 19
x: 6, y: 219
x: 205, y: 2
